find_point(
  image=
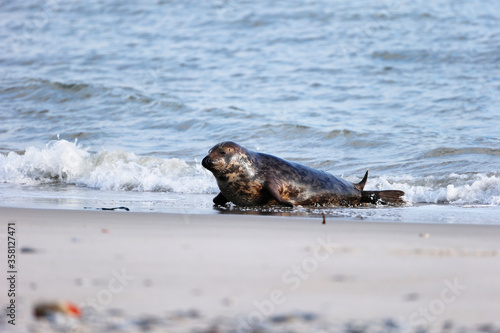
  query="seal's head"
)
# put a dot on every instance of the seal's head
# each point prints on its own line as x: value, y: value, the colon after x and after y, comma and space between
x: 222, y: 157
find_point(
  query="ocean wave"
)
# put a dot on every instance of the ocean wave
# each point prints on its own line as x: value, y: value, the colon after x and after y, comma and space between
x: 67, y: 162
x: 64, y: 162
x: 457, y: 189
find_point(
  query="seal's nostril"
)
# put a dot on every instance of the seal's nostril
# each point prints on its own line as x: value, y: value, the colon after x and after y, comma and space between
x: 206, y: 162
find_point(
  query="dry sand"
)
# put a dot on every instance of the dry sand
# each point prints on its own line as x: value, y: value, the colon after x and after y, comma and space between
x: 217, y: 273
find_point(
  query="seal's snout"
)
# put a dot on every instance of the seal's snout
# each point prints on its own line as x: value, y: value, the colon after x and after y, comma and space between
x: 207, y: 162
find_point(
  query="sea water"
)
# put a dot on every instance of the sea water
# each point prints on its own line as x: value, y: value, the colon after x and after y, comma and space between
x: 115, y: 103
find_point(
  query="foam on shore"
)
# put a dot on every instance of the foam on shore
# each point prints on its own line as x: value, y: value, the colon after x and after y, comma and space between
x: 67, y: 162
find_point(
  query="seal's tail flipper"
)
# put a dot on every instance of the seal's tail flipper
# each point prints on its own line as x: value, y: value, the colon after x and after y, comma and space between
x: 361, y: 185
x: 383, y: 197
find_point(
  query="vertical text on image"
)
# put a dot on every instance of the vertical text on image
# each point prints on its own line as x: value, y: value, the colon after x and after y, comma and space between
x: 11, y: 272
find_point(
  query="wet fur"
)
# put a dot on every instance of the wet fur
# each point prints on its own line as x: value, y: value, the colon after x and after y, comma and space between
x: 249, y: 178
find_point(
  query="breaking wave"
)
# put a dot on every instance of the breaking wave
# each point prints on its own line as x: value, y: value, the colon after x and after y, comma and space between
x: 457, y: 189
x: 67, y: 162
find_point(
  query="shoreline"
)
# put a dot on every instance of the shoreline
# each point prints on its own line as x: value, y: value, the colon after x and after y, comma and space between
x: 247, y: 266
x: 76, y: 198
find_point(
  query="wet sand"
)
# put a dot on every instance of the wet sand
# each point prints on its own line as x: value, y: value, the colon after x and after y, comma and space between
x: 236, y: 273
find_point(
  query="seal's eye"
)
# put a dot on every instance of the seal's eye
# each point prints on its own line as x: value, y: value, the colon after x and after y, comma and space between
x: 222, y: 152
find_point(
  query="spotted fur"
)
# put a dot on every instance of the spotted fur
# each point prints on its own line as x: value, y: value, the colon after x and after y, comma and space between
x: 248, y: 178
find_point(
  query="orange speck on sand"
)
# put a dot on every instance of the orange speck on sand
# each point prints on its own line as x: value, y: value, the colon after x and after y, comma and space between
x: 73, y: 310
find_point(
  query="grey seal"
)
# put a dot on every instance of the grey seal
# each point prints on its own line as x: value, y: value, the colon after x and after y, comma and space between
x: 249, y: 178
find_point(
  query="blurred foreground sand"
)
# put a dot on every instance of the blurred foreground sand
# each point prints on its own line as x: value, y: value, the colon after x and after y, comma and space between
x: 213, y: 272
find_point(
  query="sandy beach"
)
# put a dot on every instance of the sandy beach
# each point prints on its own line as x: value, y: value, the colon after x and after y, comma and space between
x: 216, y: 273
x: 148, y: 105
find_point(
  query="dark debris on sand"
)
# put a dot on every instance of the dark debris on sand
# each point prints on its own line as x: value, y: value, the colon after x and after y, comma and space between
x: 193, y: 321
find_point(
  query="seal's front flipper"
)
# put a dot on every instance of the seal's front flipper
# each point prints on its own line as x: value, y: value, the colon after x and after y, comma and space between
x: 220, y: 200
x: 383, y: 197
x: 272, y: 188
x: 361, y: 185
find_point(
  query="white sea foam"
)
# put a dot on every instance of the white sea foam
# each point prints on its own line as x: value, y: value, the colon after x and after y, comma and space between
x: 70, y: 163
x: 67, y: 162
x: 470, y: 189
